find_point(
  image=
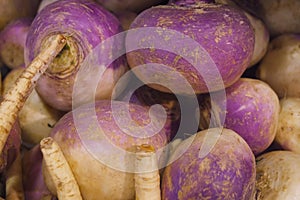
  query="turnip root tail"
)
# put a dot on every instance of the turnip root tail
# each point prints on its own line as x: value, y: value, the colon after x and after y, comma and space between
x: 59, y: 170
x: 14, y: 187
x: 15, y: 98
x: 147, y: 180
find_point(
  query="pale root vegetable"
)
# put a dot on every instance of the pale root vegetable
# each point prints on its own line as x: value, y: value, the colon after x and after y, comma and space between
x: 280, y: 16
x: 59, y: 170
x: 288, y: 131
x: 262, y: 35
x: 208, y: 47
x: 227, y: 172
x: 118, y: 6
x: 14, y: 9
x: 280, y: 66
x: 34, y: 185
x: 252, y: 111
x: 278, y: 176
x: 15, y: 98
x: 36, y: 118
x: 97, y: 142
x: 12, y: 42
x: 84, y: 24
x: 146, y: 177
x: 14, y: 183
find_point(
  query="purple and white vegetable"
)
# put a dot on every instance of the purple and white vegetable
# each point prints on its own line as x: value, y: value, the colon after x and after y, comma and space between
x: 85, y: 24
x: 252, y: 110
x: 227, y: 172
x: 219, y: 39
x: 12, y: 42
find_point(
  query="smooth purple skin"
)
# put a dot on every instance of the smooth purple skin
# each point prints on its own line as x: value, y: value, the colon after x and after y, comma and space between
x: 252, y: 110
x: 12, y: 42
x: 33, y: 181
x: 223, y: 31
x: 88, y: 24
x: 227, y: 172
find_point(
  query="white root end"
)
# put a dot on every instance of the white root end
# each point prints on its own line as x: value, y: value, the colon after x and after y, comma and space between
x: 15, y: 98
x: 14, y: 185
x: 147, y: 180
x: 59, y: 170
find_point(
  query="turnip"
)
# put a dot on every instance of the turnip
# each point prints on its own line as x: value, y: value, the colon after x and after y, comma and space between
x: 97, y: 141
x: 252, y: 111
x: 85, y: 24
x: 60, y: 172
x: 227, y: 172
x: 208, y: 45
x: 280, y: 16
x: 278, y: 176
x: 189, y: 2
x: 280, y: 66
x: 36, y: 117
x: 12, y: 42
x: 14, y: 9
x: 288, y: 131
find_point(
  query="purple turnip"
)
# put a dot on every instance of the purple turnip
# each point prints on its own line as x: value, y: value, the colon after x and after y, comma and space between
x: 252, y: 111
x: 227, y: 172
x: 209, y: 46
x: 12, y: 42
x: 85, y: 24
x: 97, y: 140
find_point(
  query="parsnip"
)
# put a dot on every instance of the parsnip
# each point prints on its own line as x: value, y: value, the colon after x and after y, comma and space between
x: 59, y: 171
x: 14, y: 100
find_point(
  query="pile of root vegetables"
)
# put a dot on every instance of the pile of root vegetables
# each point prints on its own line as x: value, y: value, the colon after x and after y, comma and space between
x: 156, y: 99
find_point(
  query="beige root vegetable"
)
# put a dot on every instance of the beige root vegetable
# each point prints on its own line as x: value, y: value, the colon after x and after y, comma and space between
x: 288, y: 132
x: 147, y: 180
x: 14, y: 100
x: 14, y: 187
x: 59, y: 170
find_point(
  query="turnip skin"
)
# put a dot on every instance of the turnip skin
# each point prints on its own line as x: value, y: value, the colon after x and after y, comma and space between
x: 278, y: 176
x: 12, y: 42
x: 227, y: 172
x: 280, y: 66
x: 224, y: 32
x: 14, y: 9
x: 287, y: 135
x: 90, y: 173
x: 252, y: 110
x: 189, y: 2
x: 85, y: 24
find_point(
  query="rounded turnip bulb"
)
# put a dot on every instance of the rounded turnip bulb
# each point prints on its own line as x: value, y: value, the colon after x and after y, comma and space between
x: 252, y: 110
x: 89, y: 146
x: 227, y: 172
x: 85, y: 24
x: 223, y: 34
